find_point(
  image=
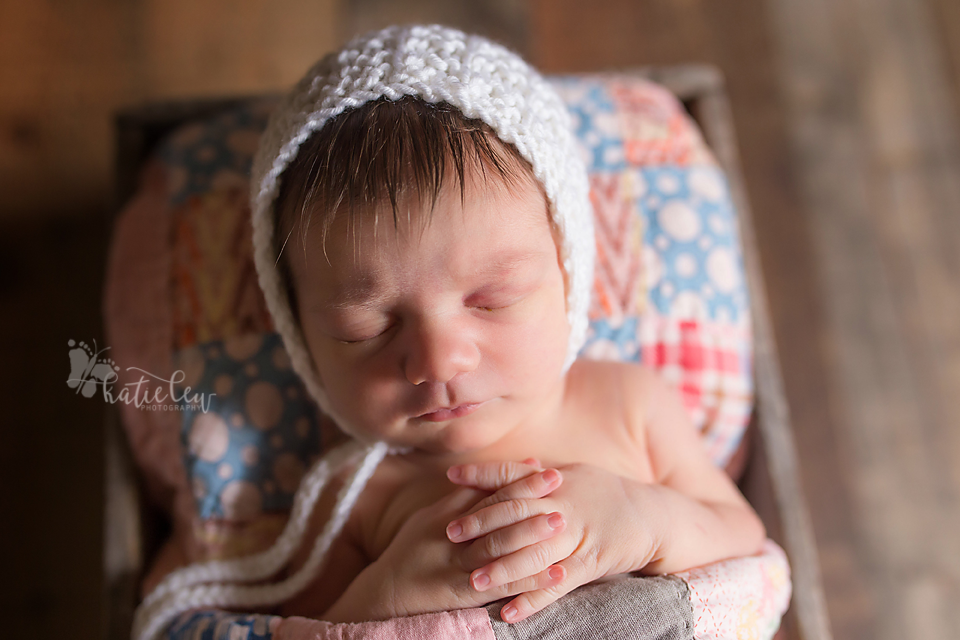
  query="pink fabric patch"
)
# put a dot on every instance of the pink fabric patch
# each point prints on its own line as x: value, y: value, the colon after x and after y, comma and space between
x: 742, y: 598
x: 139, y: 327
x: 467, y: 624
x: 138, y: 323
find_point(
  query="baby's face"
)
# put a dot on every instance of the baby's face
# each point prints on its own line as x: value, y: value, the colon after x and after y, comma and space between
x: 447, y: 337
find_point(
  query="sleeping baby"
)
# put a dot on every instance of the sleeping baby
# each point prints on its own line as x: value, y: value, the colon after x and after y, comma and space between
x: 423, y: 236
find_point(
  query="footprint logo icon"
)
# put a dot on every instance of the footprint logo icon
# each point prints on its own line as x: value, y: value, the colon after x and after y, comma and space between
x: 88, y: 369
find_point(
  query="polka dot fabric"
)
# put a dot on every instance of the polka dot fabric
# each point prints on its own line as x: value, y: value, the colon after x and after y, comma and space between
x: 207, y: 156
x: 695, y: 271
x: 248, y: 452
x: 669, y: 288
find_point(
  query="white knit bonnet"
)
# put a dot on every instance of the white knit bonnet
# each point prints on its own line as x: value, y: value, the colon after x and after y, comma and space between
x: 484, y: 81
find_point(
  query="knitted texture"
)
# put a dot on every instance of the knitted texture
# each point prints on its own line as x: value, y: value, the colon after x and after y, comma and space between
x: 215, y: 584
x: 484, y: 81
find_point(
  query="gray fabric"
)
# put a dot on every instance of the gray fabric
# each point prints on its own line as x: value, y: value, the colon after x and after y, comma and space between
x: 621, y: 608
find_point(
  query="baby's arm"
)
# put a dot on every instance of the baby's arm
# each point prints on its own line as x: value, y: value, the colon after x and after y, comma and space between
x: 705, y: 518
x: 345, y: 561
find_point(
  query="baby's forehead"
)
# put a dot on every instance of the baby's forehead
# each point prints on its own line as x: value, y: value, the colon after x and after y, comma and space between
x: 495, y: 229
x: 355, y: 283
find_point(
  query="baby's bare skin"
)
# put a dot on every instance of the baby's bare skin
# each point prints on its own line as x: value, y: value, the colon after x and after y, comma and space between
x: 617, y: 400
x: 594, y: 397
x: 448, y: 339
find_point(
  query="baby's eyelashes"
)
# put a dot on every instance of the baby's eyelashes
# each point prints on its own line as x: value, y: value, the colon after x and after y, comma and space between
x: 502, y: 294
x: 355, y: 332
x: 359, y: 340
x: 492, y: 302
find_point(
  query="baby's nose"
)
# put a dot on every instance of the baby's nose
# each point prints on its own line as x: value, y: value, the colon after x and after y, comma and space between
x: 439, y: 350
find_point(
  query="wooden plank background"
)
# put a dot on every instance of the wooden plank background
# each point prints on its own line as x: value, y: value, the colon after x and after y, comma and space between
x: 874, y: 134
x: 66, y: 66
x: 848, y: 123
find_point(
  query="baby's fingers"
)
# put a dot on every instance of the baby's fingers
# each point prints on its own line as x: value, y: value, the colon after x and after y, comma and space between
x: 507, y: 540
x: 494, y: 512
x: 491, y: 476
x: 535, y: 486
x: 546, y: 579
x: 529, y: 561
x: 530, y: 602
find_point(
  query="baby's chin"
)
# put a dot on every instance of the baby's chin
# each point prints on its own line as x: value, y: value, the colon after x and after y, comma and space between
x: 482, y: 435
x: 450, y: 443
x: 453, y: 448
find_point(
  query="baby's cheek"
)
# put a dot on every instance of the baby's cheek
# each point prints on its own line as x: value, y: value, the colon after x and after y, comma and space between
x: 336, y: 375
x: 342, y: 382
x: 536, y: 348
x: 366, y: 390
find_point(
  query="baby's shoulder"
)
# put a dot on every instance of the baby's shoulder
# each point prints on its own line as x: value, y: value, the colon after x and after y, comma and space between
x: 611, y: 370
x: 613, y: 399
x: 624, y: 385
x: 396, y: 490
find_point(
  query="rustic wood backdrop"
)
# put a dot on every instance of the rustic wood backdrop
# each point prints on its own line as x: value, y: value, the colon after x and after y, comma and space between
x: 848, y: 122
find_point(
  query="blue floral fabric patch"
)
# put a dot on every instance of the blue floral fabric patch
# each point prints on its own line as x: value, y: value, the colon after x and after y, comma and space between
x: 204, y: 155
x: 221, y: 625
x: 691, y: 225
x: 247, y: 453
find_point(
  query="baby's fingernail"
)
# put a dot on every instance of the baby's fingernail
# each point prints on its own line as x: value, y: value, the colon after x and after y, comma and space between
x: 555, y: 521
x: 509, y: 612
x: 555, y: 573
x: 551, y: 477
x: 454, y: 530
x: 454, y: 473
x: 481, y: 581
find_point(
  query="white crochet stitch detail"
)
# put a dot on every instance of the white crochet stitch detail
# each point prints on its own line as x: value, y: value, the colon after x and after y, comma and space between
x: 266, y: 563
x: 153, y: 616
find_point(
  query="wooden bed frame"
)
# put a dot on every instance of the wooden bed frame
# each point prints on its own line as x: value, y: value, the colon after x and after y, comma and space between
x: 133, y: 529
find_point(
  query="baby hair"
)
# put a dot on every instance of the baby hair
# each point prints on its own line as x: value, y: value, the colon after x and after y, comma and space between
x: 396, y: 151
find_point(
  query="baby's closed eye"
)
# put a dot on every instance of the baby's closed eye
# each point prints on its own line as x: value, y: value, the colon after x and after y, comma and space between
x: 500, y: 296
x: 356, y: 327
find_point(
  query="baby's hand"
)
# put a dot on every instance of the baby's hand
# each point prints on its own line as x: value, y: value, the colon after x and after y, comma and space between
x: 600, y: 531
x: 422, y: 571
